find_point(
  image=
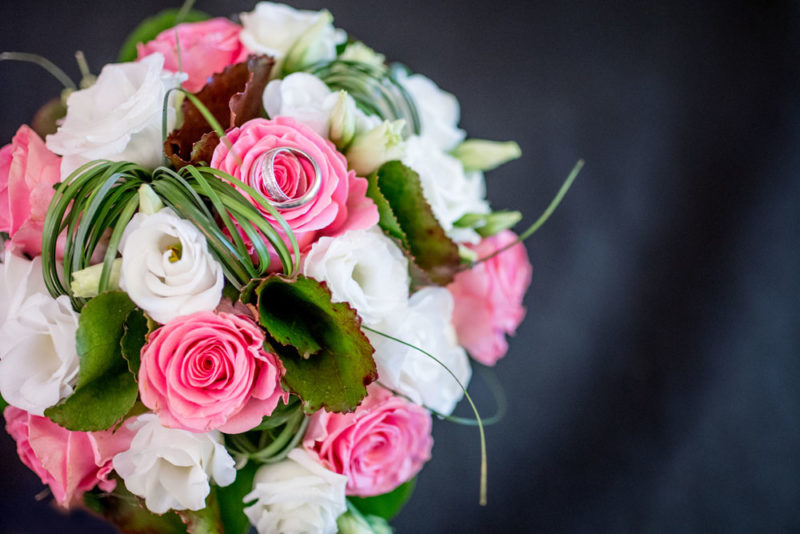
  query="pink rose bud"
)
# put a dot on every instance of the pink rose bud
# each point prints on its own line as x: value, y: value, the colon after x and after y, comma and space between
x: 209, y: 371
x: 341, y: 203
x: 206, y: 47
x: 71, y: 463
x: 488, y: 298
x: 28, y: 171
x: 383, y: 444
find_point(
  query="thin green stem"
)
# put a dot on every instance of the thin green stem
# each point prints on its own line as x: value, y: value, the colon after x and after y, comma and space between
x: 482, y: 499
x: 184, y: 11
x: 542, y: 218
x: 43, y: 62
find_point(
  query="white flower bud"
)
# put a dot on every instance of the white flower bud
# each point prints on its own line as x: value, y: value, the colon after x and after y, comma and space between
x: 86, y: 282
x: 377, y: 146
x: 343, y: 120
x: 482, y: 155
x: 361, y: 53
x: 149, y: 201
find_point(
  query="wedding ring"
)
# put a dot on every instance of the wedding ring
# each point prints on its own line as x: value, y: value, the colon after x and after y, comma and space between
x: 265, y: 164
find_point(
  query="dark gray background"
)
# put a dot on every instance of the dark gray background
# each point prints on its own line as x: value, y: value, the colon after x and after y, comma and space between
x: 654, y: 383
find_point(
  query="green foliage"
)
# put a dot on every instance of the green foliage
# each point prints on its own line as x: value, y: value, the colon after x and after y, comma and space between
x: 149, y: 28
x: 101, y: 197
x: 407, y: 216
x: 327, y: 357
x: 207, y: 519
x: 96, y: 200
x: 374, y: 88
x: 134, y: 337
x: 106, y: 389
x: 128, y: 513
x: 231, y: 500
x: 387, y: 505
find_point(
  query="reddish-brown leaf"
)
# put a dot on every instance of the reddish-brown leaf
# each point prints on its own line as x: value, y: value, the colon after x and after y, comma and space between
x: 233, y: 97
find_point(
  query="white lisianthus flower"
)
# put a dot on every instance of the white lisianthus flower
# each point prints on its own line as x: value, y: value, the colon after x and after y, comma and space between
x: 167, y: 269
x: 171, y: 468
x: 449, y: 190
x: 427, y: 325
x: 356, y: 267
x: 38, y: 359
x: 307, y: 99
x: 296, y: 496
x: 438, y: 111
x: 303, y: 97
x: 119, y: 117
x: 273, y: 28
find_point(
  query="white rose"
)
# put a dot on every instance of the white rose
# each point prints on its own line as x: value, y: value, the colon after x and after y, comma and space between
x: 167, y: 269
x: 427, y: 325
x: 438, y: 111
x: 449, y: 190
x: 307, y: 99
x: 119, y: 117
x: 273, y: 28
x: 356, y: 267
x: 171, y: 468
x: 38, y: 359
x: 296, y: 496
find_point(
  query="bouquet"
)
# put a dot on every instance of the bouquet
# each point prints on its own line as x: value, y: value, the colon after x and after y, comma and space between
x: 242, y: 269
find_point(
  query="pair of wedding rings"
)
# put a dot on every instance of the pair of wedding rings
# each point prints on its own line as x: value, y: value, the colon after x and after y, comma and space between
x: 265, y: 165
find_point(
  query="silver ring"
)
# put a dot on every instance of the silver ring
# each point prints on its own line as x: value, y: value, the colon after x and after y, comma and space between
x: 265, y: 164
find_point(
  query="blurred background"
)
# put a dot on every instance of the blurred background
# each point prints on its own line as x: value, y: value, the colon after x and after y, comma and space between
x: 655, y: 383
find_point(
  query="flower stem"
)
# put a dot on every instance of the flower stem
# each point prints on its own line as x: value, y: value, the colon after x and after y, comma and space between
x: 482, y: 498
x: 43, y: 62
x: 562, y: 192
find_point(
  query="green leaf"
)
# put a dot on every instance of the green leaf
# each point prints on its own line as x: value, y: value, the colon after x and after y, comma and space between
x: 388, y: 222
x: 106, y: 390
x: 3, y: 404
x: 206, y: 520
x: 134, y: 338
x: 327, y: 357
x: 425, y: 239
x: 231, y: 500
x: 127, y: 512
x: 149, y: 28
x: 387, y: 505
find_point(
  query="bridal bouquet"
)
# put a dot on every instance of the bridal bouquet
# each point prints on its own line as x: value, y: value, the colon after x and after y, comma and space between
x: 242, y: 269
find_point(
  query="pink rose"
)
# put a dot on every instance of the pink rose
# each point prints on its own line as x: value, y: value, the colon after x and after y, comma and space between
x: 28, y: 172
x: 206, y: 48
x: 384, y: 443
x: 341, y: 204
x: 71, y: 463
x: 488, y: 298
x: 208, y: 371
